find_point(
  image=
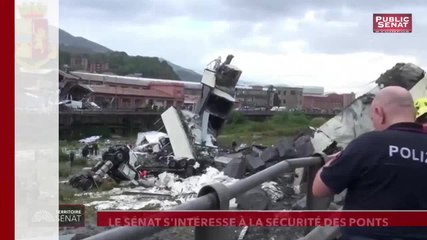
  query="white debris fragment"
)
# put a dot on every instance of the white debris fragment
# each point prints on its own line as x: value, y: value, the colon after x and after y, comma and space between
x: 196, y: 165
x: 90, y: 139
x: 233, y: 204
x: 168, y: 185
x: 192, y: 184
x: 94, y: 105
x: 149, y: 137
x: 273, y: 191
x: 166, y: 180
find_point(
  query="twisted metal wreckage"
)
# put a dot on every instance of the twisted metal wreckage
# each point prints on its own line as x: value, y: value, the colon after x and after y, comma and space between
x: 189, y: 147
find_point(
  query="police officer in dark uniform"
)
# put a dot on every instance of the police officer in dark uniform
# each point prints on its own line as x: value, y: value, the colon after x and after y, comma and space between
x: 382, y: 170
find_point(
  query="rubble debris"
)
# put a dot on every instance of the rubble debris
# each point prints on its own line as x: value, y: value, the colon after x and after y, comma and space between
x: 254, y: 199
x: 286, y: 149
x: 254, y: 163
x: 273, y: 191
x: 236, y: 168
x: 270, y: 154
x: 189, y: 145
x: 243, y: 148
x: 149, y: 137
x: 192, y: 135
x: 301, y: 204
x: 222, y: 161
x: 303, y: 146
x: 402, y: 74
x: 258, y: 149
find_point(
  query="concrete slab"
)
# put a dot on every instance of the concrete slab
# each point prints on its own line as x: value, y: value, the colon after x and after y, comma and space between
x: 303, y: 146
x: 254, y: 163
x: 270, y: 154
x: 181, y: 145
x: 236, y: 168
x: 223, y: 159
x: 286, y: 149
x: 257, y: 150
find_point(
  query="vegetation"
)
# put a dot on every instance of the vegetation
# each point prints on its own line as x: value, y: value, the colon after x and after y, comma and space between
x: 64, y: 169
x: 317, y: 121
x: 122, y: 64
x: 267, y: 132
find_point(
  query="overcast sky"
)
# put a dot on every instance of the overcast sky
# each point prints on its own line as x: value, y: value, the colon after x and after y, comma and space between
x: 320, y: 43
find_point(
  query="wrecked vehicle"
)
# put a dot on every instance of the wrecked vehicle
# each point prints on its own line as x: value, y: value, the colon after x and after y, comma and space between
x: 118, y: 162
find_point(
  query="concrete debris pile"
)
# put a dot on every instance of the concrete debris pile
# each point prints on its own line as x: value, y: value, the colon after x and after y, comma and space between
x: 190, y: 144
x: 188, y: 147
x: 191, y: 185
x: 169, y: 190
x: 151, y: 142
x: 251, y: 159
x: 75, y: 96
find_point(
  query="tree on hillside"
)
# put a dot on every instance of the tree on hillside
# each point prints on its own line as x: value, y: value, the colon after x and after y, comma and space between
x: 122, y: 64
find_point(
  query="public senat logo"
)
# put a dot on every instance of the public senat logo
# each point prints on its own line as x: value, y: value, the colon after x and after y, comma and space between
x: 392, y: 23
x: 32, y: 36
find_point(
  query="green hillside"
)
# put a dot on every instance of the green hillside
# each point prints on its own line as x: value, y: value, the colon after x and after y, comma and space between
x: 122, y: 64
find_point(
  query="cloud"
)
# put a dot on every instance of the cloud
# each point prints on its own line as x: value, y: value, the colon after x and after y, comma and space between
x: 298, y: 42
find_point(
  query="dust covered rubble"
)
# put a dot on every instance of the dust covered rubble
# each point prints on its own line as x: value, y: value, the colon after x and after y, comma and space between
x: 169, y: 190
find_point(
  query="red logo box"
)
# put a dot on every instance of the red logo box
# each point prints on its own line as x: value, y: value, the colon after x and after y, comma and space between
x: 392, y: 23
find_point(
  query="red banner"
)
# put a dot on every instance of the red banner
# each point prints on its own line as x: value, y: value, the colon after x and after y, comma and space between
x: 262, y: 218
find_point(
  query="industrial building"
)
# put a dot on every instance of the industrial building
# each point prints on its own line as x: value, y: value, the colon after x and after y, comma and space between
x: 126, y: 92
x: 329, y: 103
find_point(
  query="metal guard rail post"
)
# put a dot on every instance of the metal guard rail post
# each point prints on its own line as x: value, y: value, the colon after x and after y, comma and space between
x: 209, y: 200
